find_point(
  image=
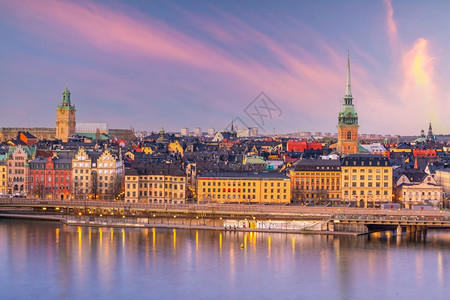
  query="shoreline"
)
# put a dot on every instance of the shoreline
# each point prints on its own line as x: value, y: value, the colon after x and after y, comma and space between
x: 169, y: 226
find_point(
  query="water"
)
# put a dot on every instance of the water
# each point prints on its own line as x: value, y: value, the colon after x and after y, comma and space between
x: 49, y: 260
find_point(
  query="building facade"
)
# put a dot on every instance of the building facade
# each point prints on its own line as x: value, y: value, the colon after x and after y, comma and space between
x: 155, y: 184
x: 243, y: 187
x: 347, y: 122
x: 50, y: 178
x: 17, y: 171
x: 316, y: 181
x: 3, y: 177
x: 65, y: 118
x: 97, y: 175
x: 366, y: 180
x: 422, y: 193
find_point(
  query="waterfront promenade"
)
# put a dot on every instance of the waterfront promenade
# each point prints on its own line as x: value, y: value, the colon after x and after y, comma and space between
x: 279, y: 218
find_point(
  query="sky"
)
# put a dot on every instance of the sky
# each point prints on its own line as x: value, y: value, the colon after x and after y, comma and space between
x: 277, y: 64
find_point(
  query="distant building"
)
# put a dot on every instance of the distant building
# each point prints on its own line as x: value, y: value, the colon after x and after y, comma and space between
x: 211, y: 131
x: 305, y: 134
x: 197, y: 131
x: 91, y: 127
x: 184, y: 131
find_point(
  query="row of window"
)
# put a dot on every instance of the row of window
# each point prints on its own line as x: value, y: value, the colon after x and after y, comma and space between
x: 155, y: 194
x: 318, y: 187
x: 420, y: 193
x: 363, y: 170
x: 369, y: 177
x: 368, y: 192
x: 369, y: 184
x: 229, y: 190
x: 57, y: 187
x: 322, y: 180
x: 57, y: 179
x: 167, y: 178
x: 248, y: 197
x: 156, y: 185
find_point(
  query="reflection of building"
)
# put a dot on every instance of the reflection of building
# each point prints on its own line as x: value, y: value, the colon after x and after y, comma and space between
x: 316, y: 180
x: 65, y: 118
x: 240, y: 187
x: 366, y: 180
x: 348, y: 122
x: 155, y: 184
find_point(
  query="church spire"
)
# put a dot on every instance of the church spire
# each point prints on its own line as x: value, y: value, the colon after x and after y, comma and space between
x: 66, y: 97
x: 348, y: 87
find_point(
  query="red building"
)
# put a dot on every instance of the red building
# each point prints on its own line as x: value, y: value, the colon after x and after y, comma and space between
x: 301, y: 146
x: 50, y: 178
x: 424, y: 153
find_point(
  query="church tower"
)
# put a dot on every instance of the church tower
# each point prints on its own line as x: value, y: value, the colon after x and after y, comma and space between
x: 65, y: 118
x: 348, y: 121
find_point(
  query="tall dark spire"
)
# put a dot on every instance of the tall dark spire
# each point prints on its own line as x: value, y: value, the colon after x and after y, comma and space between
x: 348, y: 88
x: 348, y: 115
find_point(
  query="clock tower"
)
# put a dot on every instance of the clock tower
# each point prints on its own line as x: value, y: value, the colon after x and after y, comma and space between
x: 65, y: 118
x: 348, y: 122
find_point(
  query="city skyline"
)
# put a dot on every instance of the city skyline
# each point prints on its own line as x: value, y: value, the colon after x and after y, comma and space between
x: 172, y: 64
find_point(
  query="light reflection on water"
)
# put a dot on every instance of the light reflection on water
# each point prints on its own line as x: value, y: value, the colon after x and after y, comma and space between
x: 54, y: 261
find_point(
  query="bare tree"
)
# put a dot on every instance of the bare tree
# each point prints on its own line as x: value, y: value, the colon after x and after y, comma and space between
x: 39, y: 190
x: 94, y: 186
x: 116, y: 187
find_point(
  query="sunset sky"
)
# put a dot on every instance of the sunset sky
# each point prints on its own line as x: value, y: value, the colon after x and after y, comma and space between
x: 147, y: 64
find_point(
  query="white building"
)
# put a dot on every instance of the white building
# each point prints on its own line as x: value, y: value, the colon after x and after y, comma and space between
x: 184, y: 131
x: 197, y: 131
x: 91, y: 127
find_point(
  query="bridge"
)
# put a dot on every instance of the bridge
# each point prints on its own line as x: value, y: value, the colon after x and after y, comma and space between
x: 342, y: 219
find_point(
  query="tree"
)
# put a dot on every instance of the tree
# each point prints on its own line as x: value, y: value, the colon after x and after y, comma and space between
x: 39, y: 190
x: 116, y: 187
x: 298, y: 195
x: 94, y: 186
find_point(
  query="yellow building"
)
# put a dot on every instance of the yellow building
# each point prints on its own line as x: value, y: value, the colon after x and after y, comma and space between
x: 97, y: 175
x: 65, y: 118
x: 3, y: 178
x: 176, y: 148
x: 242, y: 187
x: 316, y: 181
x: 157, y: 184
x: 366, y: 180
x: 81, y: 174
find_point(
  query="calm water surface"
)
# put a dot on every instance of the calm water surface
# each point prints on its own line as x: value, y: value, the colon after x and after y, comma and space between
x: 47, y: 260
